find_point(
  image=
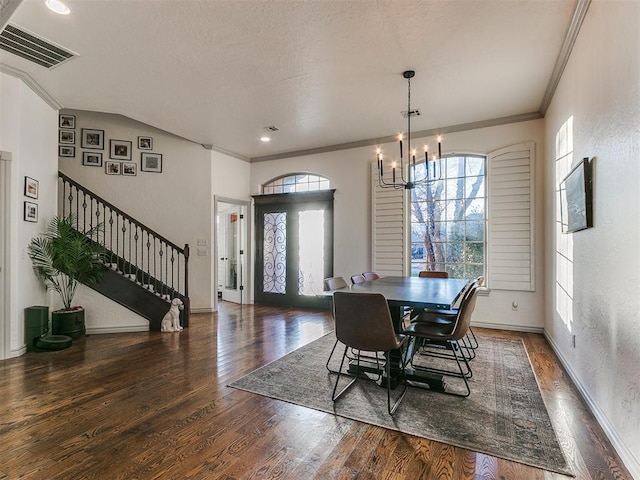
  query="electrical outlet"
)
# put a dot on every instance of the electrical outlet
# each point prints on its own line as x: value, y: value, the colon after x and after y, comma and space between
x: 514, y: 306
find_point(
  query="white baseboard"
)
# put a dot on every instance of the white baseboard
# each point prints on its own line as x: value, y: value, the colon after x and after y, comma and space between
x: 502, y: 326
x: 627, y: 457
x: 16, y: 352
x: 117, y: 329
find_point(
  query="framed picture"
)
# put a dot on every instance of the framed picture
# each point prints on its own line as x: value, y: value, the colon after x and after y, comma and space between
x: 30, y: 212
x: 120, y: 149
x: 92, y: 159
x: 129, y: 168
x: 576, y: 208
x: 151, y: 162
x: 92, y: 138
x: 145, y: 143
x: 67, y: 136
x: 67, y: 121
x: 64, y: 151
x: 30, y: 187
x: 112, y: 168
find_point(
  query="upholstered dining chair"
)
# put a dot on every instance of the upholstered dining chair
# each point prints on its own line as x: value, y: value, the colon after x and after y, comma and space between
x: 357, y: 279
x: 448, y: 316
x: 449, y: 334
x: 334, y: 283
x: 353, y: 310
x: 370, y: 276
x: 433, y: 274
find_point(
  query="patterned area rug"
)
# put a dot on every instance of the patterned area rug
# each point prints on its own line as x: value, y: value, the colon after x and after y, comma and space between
x: 504, y: 416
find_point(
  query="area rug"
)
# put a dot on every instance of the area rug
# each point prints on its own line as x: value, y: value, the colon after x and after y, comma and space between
x: 504, y: 416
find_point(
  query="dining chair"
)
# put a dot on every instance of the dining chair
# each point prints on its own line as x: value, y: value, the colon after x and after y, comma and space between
x: 351, y: 311
x: 448, y: 317
x: 449, y: 334
x: 334, y: 283
x: 370, y: 276
x: 357, y: 279
x: 433, y: 274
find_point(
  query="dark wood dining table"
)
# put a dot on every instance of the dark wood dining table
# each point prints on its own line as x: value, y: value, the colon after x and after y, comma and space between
x: 415, y: 293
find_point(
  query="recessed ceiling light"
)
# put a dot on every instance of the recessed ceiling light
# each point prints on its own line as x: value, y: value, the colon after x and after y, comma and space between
x: 58, y: 7
x: 265, y: 139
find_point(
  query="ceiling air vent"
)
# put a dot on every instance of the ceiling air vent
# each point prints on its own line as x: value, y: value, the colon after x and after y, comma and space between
x: 32, y: 48
x: 414, y: 113
x: 271, y: 128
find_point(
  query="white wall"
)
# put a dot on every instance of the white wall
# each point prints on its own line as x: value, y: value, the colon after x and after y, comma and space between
x: 349, y: 173
x: 175, y: 203
x: 230, y: 179
x: 600, y: 92
x: 28, y: 130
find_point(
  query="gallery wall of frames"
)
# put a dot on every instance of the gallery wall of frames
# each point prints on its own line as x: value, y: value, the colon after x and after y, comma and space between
x: 117, y: 157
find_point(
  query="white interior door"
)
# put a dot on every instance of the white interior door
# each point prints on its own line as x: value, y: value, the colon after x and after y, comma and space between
x: 231, y: 252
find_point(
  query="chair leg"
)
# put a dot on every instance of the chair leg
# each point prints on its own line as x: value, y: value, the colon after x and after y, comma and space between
x: 466, y: 383
x: 391, y: 409
x: 331, y: 355
x: 474, y: 343
x: 334, y: 397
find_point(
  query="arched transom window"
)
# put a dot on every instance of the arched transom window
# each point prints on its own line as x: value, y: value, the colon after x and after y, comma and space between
x: 296, y: 182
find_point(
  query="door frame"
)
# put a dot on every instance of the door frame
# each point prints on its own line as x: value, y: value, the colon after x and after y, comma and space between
x: 285, y: 202
x: 245, y: 280
x: 5, y: 254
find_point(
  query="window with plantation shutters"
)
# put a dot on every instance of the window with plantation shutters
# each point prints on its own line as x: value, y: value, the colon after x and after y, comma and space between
x: 509, y: 249
x: 511, y: 216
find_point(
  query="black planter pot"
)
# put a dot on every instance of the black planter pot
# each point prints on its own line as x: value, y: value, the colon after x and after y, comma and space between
x: 68, y: 322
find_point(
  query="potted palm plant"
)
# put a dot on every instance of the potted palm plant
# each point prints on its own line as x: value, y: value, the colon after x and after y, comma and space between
x: 63, y: 257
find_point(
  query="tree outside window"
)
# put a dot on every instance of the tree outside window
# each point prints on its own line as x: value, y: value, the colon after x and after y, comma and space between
x: 448, y: 219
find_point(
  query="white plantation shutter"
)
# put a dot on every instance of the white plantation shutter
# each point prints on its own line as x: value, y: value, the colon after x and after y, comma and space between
x: 510, y: 256
x: 388, y: 225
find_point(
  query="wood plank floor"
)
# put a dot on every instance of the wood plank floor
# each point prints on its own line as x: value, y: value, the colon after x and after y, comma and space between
x: 157, y: 406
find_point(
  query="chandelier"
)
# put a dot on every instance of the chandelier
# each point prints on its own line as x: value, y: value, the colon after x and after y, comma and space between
x: 432, y: 170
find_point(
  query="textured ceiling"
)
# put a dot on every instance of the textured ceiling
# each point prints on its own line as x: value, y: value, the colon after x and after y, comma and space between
x: 325, y: 72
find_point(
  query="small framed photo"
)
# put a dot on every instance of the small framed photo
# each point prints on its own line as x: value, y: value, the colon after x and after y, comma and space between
x: 30, y: 212
x: 92, y: 138
x: 120, y: 149
x: 65, y: 151
x: 151, y: 162
x: 92, y: 159
x: 113, y: 168
x: 67, y: 121
x: 129, y: 169
x: 30, y: 187
x: 145, y: 143
x: 67, y: 136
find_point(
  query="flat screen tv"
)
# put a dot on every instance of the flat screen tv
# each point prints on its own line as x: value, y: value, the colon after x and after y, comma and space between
x: 576, y: 198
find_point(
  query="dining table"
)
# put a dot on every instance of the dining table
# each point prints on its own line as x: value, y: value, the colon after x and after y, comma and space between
x: 403, y: 294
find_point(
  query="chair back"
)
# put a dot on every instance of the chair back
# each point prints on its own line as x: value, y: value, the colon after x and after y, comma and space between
x: 358, y: 279
x: 333, y: 283
x: 433, y: 274
x: 363, y: 321
x: 370, y: 276
x: 463, y: 319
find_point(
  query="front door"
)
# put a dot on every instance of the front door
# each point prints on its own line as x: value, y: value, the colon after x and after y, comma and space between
x: 294, y: 248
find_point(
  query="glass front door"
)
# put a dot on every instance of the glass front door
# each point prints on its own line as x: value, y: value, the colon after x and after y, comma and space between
x: 294, y: 248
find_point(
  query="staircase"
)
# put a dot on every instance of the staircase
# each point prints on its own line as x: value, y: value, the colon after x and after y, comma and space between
x: 146, y: 270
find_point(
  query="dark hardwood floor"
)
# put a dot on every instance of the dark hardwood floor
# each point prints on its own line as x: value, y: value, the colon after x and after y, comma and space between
x: 156, y: 406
